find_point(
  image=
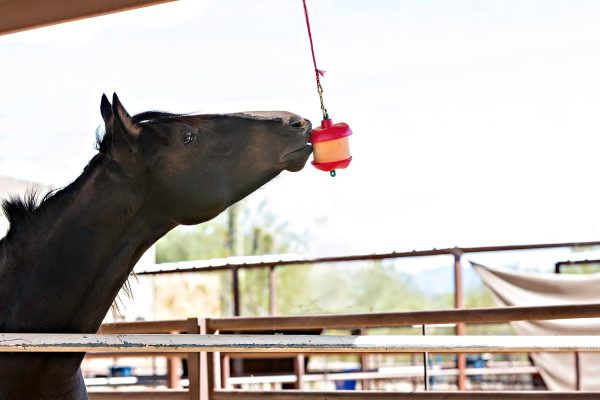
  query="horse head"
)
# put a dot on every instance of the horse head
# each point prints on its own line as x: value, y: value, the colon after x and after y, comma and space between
x: 192, y: 167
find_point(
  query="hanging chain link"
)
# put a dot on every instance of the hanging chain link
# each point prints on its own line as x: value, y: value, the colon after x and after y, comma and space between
x: 320, y: 91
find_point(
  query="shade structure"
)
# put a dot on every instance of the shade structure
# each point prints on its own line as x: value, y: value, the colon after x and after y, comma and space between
x: 20, y: 15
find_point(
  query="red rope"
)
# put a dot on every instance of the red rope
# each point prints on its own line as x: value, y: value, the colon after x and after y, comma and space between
x: 318, y: 73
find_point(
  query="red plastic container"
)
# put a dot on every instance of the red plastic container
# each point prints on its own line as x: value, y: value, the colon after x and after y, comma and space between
x: 331, y: 146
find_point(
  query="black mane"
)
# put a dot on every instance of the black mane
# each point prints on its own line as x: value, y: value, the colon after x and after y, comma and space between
x: 19, y: 209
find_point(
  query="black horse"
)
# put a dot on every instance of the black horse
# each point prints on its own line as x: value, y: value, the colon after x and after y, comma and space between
x: 65, y: 257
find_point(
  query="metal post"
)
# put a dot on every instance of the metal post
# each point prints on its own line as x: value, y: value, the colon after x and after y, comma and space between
x: 234, y: 246
x: 272, y: 291
x: 299, y: 371
x: 235, y: 290
x: 425, y: 363
x: 237, y: 364
x: 364, y: 362
x: 194, y: 368
x: 205, y: 378
x: 460, y: 327
x: 577, y: 371
x: 173, y: 370
x: 225, y: 372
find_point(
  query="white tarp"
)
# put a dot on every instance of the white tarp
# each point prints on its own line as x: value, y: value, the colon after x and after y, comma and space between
x: 531, y: 289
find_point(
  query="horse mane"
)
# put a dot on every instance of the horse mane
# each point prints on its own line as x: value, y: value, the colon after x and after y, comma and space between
x: 20, y: 209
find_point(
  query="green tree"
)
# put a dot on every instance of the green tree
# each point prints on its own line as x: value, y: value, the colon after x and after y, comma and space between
x: 240, y: 231
x: 343, y: 288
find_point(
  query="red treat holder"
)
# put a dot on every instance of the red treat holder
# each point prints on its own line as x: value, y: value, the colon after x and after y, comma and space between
x: 331, y: 147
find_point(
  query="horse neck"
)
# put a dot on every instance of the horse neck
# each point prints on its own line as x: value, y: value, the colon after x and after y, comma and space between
x: 79, y: 254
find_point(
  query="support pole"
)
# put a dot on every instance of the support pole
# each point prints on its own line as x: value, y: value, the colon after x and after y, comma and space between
x: 225, y: 371
x: 235, y: 290
x: 173, y: 364
x: 299, y: 371
x: 364, y: 362
x: 577, y: 371
x: 461, y: 380
x: 234, y: 246
x: 193, y: 362
x: 425, y: 364
x: 173, y: 372
x: 205, y: 377
x: 272, y: 291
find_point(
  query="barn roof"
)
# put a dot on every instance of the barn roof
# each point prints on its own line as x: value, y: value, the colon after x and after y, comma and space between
x: 20, y: 15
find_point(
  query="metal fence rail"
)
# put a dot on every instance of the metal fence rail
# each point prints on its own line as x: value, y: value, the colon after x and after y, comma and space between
x: 295, y: 343
x: 373, y: 320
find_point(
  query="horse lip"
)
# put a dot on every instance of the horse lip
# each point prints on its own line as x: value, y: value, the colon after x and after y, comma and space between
x: 301, y: 151
x: 303, y: 146
x: 295, y: 160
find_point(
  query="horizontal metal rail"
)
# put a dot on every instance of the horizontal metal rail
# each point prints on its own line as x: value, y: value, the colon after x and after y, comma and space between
x: 167, y: 326
x: 414, y: 372
x: 343, y: 395
x: 28, y: 342
x: 366, y: 257
x: 375, y: 395
x: 470, y: 316
x: 560, y: 264
x: 174, y: 394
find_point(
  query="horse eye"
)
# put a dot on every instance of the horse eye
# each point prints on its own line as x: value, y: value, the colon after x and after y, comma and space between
x: 188, y: 137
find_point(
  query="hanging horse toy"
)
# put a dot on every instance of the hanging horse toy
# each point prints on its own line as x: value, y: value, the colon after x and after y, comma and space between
x: 331, y: 147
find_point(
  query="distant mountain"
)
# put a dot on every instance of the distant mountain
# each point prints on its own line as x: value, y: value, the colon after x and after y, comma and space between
x: 437, y: 281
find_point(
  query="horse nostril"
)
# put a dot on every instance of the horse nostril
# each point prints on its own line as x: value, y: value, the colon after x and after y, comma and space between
x: 297, y: 124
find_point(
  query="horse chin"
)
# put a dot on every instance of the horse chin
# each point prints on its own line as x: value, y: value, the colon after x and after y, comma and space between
x: 296, y: 160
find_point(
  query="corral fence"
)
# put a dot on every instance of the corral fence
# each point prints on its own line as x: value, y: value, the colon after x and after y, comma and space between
x: 209, y: 343
x: 456, y: 253
x: 205, y: 342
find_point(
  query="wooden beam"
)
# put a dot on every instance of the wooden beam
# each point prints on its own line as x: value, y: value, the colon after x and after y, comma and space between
x: 29, y: 14
x: 49, y: 342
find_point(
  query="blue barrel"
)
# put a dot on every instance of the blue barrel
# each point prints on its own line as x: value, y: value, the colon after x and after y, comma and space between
x: 120, y: 371
x: 347, y: 384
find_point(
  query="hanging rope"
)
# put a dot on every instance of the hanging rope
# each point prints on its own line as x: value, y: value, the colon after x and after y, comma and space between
x: 318, y: 73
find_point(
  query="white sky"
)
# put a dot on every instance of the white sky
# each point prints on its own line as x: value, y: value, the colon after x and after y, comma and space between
x: 475, y: 123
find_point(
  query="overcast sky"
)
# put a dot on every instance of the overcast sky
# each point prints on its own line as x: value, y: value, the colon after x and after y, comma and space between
x: 476, y: 122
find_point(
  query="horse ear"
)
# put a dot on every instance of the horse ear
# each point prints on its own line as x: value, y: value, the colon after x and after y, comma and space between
x: 123, y: 123
x: 106, y: 110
